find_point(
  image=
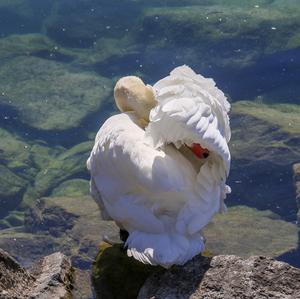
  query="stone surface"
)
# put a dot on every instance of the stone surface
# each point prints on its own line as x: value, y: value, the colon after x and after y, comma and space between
x: 13, y: 279
x: 224, y: 277
x: 50, y: 277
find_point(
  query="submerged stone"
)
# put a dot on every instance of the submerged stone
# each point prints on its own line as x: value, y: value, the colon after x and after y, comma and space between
x: 48, y: 95
x: 285, y: 117
x: 296, y: 171
x: 22, y: 16
x: 11, y: 190
x: 264, y: 145
x: 72, y: 188
x: 74, y: 223
x: 245, y: 231
x: 77, y: 28
x: 69, y: 164
x: 33, y: 44
x: 230, y: 33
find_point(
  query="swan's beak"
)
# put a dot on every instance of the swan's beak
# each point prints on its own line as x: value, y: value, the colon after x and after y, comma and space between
x: 199, y: 151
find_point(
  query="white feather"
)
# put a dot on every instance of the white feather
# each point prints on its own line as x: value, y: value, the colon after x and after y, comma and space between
x: 152, y: 189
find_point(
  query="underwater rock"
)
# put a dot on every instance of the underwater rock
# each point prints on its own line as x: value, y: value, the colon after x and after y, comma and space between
x: 117, y: 276
x: 267, y: 150
x: 243, y: 30
x: 50, y: 277
x: 284, y: 117
x: 11, y: 190
x: 72, y: 188
x: 225, y: 276
x: 296, y: 169
x: 49, y: 95
x: 82, y: 285
x: 77, y: 28
x: 75, y: 225
x: 33, y: 44
x: 24, y: 44
x: 70, y: 164
x: 22, y: 16
x: 27, y: 247
x: 24, y: 157
x: 245, y: 231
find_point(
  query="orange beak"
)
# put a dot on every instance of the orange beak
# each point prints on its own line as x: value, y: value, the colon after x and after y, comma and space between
x: 200, y: 152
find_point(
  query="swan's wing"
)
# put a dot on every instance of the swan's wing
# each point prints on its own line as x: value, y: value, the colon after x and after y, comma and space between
x: 191, y: 109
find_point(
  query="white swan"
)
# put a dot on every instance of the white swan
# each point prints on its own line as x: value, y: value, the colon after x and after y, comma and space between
x: 162, y: 177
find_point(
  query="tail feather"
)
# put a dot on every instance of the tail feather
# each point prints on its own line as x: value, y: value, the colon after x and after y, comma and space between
x: 163, y: 249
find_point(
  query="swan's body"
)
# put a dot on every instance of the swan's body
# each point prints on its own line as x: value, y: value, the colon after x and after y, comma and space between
x: 150, y: 182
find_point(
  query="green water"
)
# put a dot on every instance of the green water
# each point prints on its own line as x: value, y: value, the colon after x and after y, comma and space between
x: 59, y: 61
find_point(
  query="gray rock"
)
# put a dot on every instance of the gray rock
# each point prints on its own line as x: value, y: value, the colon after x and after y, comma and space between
x: 13, y: 278
x: 224, y: 277
x: 50, y: 277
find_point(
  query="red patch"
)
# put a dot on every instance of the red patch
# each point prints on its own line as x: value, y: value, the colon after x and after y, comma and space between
x: 199, y: 151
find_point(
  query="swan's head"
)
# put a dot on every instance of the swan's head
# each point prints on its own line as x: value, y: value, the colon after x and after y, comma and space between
x: 131, y: 94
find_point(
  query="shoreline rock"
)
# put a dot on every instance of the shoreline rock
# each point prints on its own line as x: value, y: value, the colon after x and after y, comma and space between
x: 50, y: 277
x: 225, y: 276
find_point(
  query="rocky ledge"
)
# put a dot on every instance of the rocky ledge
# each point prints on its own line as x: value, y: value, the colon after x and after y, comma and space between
x: 225, y: 276
x: 50, y: 277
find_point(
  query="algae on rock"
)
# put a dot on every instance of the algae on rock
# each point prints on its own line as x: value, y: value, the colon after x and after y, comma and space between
x: 48, y: 95
x: 245, y: 231
x: 240, y: 27
x: 11, y: 190
x: 72, y: 188
x: 117, y: 276
x: 68, y: 164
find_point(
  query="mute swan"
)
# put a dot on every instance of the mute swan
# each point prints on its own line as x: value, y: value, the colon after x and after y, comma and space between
x: 158, y: 168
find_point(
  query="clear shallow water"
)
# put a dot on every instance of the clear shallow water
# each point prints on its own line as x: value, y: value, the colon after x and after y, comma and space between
x: 58, y: 63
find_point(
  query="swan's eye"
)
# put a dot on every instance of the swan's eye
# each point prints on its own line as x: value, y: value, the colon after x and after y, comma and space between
x: 199, y: 151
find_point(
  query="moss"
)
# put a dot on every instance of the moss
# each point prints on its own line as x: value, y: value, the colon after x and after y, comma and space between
x: 242, y: 29
x: 246, y: 231
x: 14, y: 151
x: 115, y: 275
x: 285, y: 116
x: 72, y: 188
x: 27, y: 44
x: 48, y: 95
x: 15, y: 218
x: 11, y: 189
x: 66, y: 165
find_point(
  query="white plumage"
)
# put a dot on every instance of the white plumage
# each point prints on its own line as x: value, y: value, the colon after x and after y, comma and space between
x: 145, y: 177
